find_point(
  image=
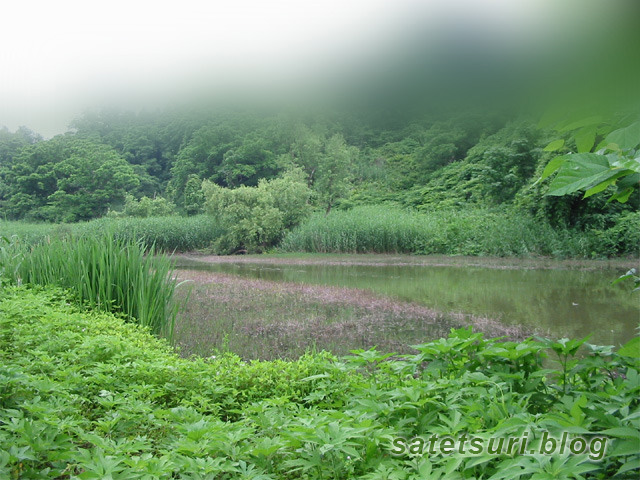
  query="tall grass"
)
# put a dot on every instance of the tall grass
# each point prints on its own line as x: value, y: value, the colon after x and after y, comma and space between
x: 168, y: 234
x: 30, y: 233
x: 104, y: 273
x: 383, y: 229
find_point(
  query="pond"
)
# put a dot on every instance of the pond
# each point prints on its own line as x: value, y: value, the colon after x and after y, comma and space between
x: 554, y: 298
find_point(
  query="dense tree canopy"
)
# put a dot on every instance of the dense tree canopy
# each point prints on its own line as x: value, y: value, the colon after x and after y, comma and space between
x: 68, y: 178
x: 351, y: 159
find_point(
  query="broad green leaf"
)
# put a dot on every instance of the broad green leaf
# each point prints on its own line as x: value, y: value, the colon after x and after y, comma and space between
x: 580, y: 171
x: 627, y: 137
x: 622, y: 448
x: 629, y: 465
x: 622, y: 195
x: 629, y: 181
x: 555, y: 145
x: 603, y: 185
x: 552, y: 166
x: 621, y: 432
x: 631, y: 348
x: 632, y: 164
x: 585, y: 122
x: 599, y: 187
x: 585, y: 139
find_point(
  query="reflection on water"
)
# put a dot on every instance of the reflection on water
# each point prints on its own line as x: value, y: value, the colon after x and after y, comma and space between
x: 573, y: 303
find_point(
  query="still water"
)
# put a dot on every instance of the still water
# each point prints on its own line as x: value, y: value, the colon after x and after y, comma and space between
x: 559, y: 302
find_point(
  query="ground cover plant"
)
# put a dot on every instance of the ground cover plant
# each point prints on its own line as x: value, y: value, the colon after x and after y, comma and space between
x: 86, y: 395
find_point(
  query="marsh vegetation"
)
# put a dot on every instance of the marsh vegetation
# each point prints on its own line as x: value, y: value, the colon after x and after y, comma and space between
x: 291, y: 303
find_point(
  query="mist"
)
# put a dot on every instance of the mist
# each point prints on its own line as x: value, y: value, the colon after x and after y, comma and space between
x: 67, y: 57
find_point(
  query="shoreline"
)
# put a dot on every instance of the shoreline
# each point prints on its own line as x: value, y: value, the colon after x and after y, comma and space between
x: 191, y: 259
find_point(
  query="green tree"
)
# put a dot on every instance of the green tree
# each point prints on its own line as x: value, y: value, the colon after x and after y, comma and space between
x: 256, y: 218
x: 66, y: 179
x: 149, y: 141
x: 213, y: 152
x: 10, y: 145
x: 248, y: 163
x: 492, y: 173
x: 193, y: 196
x: 334, y: 172
x: 145, y: 207
x: 307, y: 150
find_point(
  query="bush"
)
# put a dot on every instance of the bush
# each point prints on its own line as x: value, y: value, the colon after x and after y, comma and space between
x: 623, y: 238
x: 256, y: 218
x: 145, y: 207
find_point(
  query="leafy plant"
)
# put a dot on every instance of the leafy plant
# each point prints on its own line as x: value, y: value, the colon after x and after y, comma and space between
x: 104, y: 273
x: 615, y: 161
x: 87, y: 395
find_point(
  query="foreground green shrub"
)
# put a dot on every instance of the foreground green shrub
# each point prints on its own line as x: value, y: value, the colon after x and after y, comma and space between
x: 88, y: 396
x: 103, y: 273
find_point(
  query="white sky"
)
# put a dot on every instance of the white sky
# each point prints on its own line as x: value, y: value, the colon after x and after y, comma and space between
x: 58, y: 57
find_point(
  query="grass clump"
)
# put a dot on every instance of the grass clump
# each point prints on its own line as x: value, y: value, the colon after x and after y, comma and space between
x: 167, y: 234
x: 103, y: 272
x: 85, y: 395
x: 383, y: 229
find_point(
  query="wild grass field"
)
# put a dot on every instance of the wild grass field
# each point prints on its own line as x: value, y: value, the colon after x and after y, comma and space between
x: 375, y: 229
x: 166, y: 234
x: 382, y: 229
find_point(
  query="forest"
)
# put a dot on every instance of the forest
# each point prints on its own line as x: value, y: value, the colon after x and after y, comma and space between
x: 263, y: 173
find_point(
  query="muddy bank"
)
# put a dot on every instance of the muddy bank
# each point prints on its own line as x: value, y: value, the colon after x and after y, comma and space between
x: 386, y: 260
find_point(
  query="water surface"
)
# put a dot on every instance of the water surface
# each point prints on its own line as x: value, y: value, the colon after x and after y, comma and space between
x: 560, y: 302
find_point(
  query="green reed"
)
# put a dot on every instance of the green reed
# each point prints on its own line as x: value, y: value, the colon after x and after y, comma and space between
x: 168, y: 234
x: 383, y: 229
x: 106, y: 273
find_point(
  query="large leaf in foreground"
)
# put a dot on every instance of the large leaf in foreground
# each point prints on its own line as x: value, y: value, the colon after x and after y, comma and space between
x: 581, y: 171
x: 626, y: 138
